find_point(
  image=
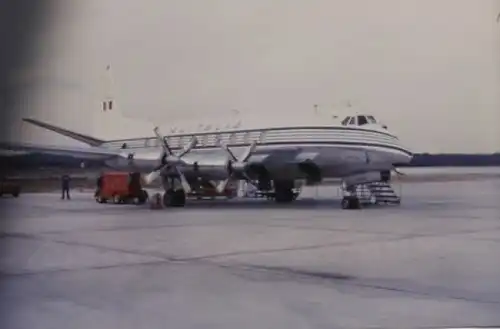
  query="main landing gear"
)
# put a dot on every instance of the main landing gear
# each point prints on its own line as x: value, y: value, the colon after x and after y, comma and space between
x: 281, y: 191
x: 174, y: 198
x: 284, y: 191
x: 174, y: 195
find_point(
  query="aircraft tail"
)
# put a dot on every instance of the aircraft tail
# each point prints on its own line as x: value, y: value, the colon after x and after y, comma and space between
x: 89, y: 140
x: 109, y: 122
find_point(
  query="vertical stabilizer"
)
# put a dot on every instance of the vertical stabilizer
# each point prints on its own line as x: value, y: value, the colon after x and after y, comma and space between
x: 108, y: 96
x: 110, y: 120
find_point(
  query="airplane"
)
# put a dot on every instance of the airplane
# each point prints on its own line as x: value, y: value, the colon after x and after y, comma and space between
x: 358, y: 150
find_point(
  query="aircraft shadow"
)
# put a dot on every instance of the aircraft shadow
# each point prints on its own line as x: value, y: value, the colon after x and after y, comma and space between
x: 299, y: 204
x: 262, y: 204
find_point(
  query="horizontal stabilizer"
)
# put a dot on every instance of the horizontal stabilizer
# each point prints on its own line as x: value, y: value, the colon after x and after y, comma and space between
x: 65, y: 132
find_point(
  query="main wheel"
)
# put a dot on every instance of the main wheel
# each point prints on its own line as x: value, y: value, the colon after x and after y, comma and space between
x: 116, y: 199
x: 143, y: 197
x: 284, y: 195
x: 168, y: 197
x: 345, y: 203
x: 283, y: 191
x: 173, y: 198
x: 180, y: 198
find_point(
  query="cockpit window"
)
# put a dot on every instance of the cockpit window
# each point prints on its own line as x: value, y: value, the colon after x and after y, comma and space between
x: 352, y: 121
x: 371, y: 119
x: 362, y: 120
x: 345, y: 121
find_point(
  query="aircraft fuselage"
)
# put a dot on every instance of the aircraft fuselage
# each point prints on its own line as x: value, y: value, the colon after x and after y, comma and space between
x: 283, y: 152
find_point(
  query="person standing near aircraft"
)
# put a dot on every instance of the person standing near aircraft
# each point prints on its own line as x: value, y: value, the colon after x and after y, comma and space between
x: 98, y: 185
x: 65, y: 180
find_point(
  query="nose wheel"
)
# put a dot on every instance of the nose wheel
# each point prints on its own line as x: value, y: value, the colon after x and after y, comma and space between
x: 350, y: 202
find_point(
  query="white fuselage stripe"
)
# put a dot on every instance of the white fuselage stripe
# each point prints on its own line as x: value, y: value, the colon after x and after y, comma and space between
x: 271, y: 137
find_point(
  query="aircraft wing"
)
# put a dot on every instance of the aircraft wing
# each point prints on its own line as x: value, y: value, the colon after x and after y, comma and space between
x: 89, y: 140
x: 84, y: 153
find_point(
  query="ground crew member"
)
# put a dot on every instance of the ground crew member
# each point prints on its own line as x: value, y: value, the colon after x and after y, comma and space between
x: 65, y: 186
x: 98, y: 185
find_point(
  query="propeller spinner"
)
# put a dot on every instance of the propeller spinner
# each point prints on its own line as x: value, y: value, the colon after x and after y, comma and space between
x: 236, y: 165
x: 167, y: 158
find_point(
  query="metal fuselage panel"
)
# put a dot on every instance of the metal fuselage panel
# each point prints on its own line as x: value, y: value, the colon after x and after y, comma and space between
x: 337, y: 151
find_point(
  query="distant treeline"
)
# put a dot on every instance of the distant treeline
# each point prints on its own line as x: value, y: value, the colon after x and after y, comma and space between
x: 455, y: 160
x: 32, y: 161
x: 35, y: 160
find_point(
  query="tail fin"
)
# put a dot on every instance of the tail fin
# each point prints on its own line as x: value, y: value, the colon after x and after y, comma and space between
x: 89, y: 140
x: 107, y: 122
x: 108, y: 92
x: 112, y: 121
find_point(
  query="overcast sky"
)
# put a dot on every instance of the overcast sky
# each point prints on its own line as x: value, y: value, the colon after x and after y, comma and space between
x: 430, y: 69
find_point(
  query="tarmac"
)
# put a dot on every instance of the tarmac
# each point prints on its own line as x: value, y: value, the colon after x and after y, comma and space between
x: 431, y: 262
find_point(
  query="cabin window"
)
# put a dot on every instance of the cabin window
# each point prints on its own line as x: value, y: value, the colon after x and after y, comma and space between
x: 345, y: 121
x: 217, y: 139
x: 372, y: 119
x: 262, y: 137
x: 170, y: 141
x: 209, y: 140
x: 246, y: 137
x: 352, y: 121
x: 232, y: 136
x: 146, y: 143
x: 362, y: 120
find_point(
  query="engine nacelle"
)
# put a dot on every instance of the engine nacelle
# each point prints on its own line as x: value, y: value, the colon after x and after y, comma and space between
x: 236, y: 167
x: 312, y: 171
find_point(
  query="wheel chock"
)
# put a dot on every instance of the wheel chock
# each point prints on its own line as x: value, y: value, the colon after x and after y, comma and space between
x: 156, y: 201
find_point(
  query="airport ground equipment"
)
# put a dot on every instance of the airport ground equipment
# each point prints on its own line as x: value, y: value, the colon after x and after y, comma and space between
x: 120, y: 187
x: 366, y: 193
x: 11, y: 188
x: 271, y: 194
x: 206, y: 189
x: 156, y: 202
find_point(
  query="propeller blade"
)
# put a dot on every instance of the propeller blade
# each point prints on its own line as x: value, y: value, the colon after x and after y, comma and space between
x: 152, y: 176
x: 248, y: 179
x: 189, y: 147
x: 248, y: 152
x: 185, y: 185
x: 228, y: 151
x: 222, y: 186
x: 162, y: 141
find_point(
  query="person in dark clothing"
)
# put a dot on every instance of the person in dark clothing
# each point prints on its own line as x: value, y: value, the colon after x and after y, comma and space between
x: 98, y: 185
x: 65, y: 186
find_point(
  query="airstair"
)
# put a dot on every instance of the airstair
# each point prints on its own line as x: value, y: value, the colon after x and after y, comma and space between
x: 375, y: 193
x: 382, y: 192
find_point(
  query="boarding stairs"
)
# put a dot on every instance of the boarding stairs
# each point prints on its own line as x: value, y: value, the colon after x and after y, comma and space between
x: 377, y: 193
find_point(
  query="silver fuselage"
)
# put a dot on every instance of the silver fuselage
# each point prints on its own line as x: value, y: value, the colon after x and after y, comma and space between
x: 337, y: 150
